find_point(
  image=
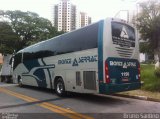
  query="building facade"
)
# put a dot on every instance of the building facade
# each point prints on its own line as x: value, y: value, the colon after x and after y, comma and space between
x: 84, y: 19
x: 66, y: 17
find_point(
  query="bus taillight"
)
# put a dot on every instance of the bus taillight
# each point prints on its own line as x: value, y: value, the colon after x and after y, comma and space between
x: 107, y: 73
x: 139, y: 73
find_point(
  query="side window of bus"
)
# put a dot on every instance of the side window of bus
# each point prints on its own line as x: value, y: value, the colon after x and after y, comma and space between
x: 34, y: 52
x: 38, y: 51
x: 82, y: 39
x: 51, y: 47
x: 27, y: 54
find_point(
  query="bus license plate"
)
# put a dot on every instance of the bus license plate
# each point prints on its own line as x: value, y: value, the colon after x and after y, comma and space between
x: 125, y: 79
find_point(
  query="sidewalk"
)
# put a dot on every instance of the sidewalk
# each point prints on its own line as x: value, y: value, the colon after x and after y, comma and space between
x: 2, y: 84
x: 140, y: 94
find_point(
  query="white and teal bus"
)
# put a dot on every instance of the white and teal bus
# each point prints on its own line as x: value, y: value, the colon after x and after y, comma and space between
x: 99, y: 58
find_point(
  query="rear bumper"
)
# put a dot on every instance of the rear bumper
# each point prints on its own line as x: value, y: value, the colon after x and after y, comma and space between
x: 112, y: 88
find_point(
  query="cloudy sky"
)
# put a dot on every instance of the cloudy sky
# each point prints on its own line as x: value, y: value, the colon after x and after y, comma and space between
x: 97, y: 9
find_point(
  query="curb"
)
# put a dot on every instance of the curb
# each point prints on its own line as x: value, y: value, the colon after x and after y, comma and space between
x: 138, y: 97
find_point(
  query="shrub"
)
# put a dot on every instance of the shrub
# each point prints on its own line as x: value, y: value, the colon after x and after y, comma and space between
x: 157, y: 72
x: 151, y: 81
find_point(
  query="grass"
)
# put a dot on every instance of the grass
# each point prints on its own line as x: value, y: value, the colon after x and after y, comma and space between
x: 151, y: 81
x: 151, y: 86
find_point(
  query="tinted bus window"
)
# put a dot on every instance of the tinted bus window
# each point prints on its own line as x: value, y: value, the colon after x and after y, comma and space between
x: 82, y: 39
x: 123, y: 34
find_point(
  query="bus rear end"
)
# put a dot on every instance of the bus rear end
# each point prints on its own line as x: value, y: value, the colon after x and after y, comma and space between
x: 119, y: 68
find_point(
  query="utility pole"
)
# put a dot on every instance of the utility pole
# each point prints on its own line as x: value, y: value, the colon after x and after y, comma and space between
x: 118, y: 13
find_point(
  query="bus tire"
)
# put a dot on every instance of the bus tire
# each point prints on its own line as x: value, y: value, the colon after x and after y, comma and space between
x: 60, y: 87
x: 20, y: 82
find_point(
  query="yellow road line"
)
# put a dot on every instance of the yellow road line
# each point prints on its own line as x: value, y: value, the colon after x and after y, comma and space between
x: 54, y: 108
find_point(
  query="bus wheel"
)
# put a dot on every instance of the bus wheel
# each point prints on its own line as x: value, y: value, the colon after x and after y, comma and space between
x: 20, y: 81
x: 59, y: 87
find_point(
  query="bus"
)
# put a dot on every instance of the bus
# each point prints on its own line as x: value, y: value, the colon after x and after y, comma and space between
x: 99, y: 58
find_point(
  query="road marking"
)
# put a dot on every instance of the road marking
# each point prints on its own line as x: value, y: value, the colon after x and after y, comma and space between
x: 54, y: 108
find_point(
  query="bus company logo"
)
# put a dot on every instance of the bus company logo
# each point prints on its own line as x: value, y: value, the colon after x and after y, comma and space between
x: 77, y: 61
x: 124, y: 33
x: 122, y: 64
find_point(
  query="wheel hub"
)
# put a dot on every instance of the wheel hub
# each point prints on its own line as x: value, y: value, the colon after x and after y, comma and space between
x: 59, y: 87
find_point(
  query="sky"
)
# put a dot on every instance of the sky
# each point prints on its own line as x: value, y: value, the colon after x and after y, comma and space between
x: 97, y: 9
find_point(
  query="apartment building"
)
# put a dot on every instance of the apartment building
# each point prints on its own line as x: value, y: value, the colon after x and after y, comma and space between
x: 66, y: 16
x: 84, y: 19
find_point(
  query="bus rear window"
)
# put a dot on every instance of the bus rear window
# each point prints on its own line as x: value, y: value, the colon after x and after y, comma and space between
x: 123, y: 35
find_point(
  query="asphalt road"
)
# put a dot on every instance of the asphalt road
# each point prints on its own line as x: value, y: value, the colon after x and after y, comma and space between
x: 29, y: 102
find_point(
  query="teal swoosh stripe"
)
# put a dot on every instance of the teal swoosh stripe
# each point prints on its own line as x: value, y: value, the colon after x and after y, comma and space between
x: 100, y: 51
x: 48, y: 73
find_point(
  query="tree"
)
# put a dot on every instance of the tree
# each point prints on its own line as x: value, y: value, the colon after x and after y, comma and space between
x: 8, y: 39
x: 148, y: 24
x: 145, y: 48
x: 29, y: 26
